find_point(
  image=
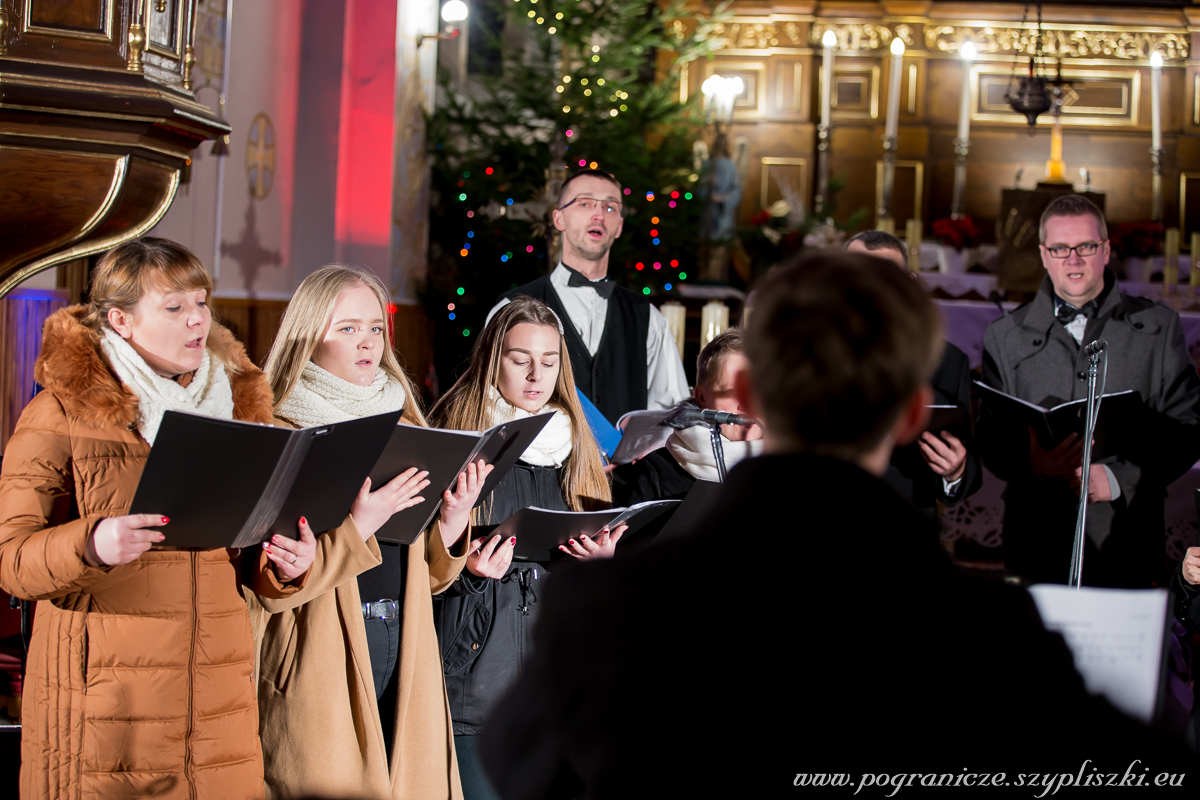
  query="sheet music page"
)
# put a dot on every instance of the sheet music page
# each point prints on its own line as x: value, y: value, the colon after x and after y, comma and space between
x: 1116, y: 636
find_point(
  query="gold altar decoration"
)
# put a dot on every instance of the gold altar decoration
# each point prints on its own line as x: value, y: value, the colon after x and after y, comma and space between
x: 1061, y: 42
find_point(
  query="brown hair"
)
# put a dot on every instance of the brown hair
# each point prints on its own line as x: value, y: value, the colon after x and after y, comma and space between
x: 466, y: 406
x: 304, y: 323
x: 837, y: 346
x: 583, y: 173
x: 879, y: 240
x: 126, y: 273
x: 1073, y: 205
x: 712, y: 358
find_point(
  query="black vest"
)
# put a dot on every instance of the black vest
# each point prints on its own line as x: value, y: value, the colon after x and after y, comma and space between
x: 615, y: 379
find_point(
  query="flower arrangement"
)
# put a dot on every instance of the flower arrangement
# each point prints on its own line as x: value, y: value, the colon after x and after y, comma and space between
x: 1138, y: 239
x: 957, y: 232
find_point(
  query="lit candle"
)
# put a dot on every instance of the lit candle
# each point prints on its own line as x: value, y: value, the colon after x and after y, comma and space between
x: 964, y: 107
x: 828, y: 41
x: 1194, y: 271
x: 912, y: 235
x: 714, y: 320
x: 893, y: 107
x: 1171, y: 263
x: 676, y: 316
x: 1156, y: 62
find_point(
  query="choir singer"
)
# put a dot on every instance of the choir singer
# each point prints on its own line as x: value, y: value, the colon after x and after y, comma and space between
x: 1036, y: 353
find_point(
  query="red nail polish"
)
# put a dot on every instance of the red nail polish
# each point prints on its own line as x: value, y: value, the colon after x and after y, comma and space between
x: 303, y: 521
x: 572, y: 541
x: 165, y: 521
x: 513, y: 540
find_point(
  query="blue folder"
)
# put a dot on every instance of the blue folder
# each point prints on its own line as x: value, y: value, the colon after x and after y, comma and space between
x: 606, y: 435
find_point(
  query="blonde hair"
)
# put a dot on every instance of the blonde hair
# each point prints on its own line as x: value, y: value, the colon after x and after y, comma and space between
x: 305, y: 321
x: 466, y: 406
x: 125, y: 274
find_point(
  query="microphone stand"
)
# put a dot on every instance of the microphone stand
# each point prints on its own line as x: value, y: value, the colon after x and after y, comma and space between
x: 1091, y: 414
x: 718, y: 450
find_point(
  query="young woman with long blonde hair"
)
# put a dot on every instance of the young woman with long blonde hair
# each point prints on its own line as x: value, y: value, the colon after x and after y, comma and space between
x: 351, y: 696
x: 519, y: 368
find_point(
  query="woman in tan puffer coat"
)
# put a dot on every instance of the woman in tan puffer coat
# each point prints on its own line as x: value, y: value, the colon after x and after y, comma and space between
x: 140, y: 672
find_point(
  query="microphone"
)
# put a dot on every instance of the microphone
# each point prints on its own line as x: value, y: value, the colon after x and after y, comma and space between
x: 688, y: 415
x: 1095, y: 348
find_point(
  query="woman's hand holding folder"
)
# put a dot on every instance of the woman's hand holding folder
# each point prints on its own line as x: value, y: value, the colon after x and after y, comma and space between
x: 491, y: 560
x: 457, y: 505
x: 119, y: 540
x: 602, y: 546
x: 292, y: 559
x: 372, y: 509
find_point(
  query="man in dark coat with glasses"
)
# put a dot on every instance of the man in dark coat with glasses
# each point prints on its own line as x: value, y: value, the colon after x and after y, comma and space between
x: 1036, y: 353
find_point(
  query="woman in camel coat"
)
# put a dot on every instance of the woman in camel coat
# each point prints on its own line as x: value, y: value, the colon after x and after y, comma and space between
x: 139, y: 679
x: 343, y: 714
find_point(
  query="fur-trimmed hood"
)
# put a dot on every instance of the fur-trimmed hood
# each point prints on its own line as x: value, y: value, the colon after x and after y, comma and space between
x: 72, y: 366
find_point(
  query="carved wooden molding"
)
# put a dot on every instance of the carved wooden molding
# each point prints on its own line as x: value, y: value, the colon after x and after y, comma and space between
x: 1062, y: 43
x: 751, y: 35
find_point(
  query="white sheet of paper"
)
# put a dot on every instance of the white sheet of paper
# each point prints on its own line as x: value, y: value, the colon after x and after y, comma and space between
x: 1116, y: 636
x: 642, y: 434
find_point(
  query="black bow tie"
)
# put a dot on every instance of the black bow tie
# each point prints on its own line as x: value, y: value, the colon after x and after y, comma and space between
x: 1067, y: 312
x: 604, y: 287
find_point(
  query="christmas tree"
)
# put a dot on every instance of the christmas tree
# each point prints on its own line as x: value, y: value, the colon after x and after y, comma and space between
x: 592, y: 83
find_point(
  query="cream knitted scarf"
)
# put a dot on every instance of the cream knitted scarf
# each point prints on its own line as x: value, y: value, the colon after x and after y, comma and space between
x: 209, y: 393
x: 692, y: 448
x: 322, y: 398
x: 552, y: 445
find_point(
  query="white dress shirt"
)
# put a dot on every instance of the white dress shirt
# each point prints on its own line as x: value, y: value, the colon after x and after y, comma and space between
x: 666, y: 383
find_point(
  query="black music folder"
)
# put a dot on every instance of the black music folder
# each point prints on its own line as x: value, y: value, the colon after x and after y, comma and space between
x: 1120, y: 412
x: 954, y: 419
x: 540, y: 531
x: 225, y: 483
x: 697, y: 506
x: 446, y: 453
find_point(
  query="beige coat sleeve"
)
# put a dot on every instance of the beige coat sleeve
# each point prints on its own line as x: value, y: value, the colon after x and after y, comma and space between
x: 341, y: 556
x: 41, y: 547
x: 444, y: 567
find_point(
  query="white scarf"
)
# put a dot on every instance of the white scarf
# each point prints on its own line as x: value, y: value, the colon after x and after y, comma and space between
x: 209, y: 393
x: 692, y: 448
x: 322, y: 398
x: 552, y: 445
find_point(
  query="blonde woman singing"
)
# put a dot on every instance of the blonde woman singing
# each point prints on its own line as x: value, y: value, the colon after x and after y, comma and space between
x: 519, y: 368
x: 351, y: 695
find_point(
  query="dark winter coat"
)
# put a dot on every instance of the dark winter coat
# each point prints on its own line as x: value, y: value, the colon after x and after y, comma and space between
x: 638, y: 689
x: 1029, y: 354
x: 484, y: 624
x: 655, y: 476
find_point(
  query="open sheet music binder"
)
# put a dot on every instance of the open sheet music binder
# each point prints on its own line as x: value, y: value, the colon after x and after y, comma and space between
x: 225, y: 483
x: 540, y: 531
x: 1120, y: 412
x: 446, y: 453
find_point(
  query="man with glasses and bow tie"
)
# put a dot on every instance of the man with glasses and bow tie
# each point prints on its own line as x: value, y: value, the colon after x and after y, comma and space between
x: 1036, y: 353
x: 622, y: 352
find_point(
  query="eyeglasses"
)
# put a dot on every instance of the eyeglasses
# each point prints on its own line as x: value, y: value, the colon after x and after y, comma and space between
x: 1062, y: 250
x: 590, y: 204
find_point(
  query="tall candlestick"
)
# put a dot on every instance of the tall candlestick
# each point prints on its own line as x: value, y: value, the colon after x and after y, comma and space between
x: 714, y: 320
x: 828, y: 42
x: 1171, y: 262
x: 912, y: 235
x: 676, y: 316
x: 1194, y: 269
x: 1156, y: 152
x: 962, y: 143
x: 884, y: 212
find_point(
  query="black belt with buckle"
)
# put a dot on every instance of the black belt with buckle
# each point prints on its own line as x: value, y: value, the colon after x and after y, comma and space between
x: 381, y: 609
